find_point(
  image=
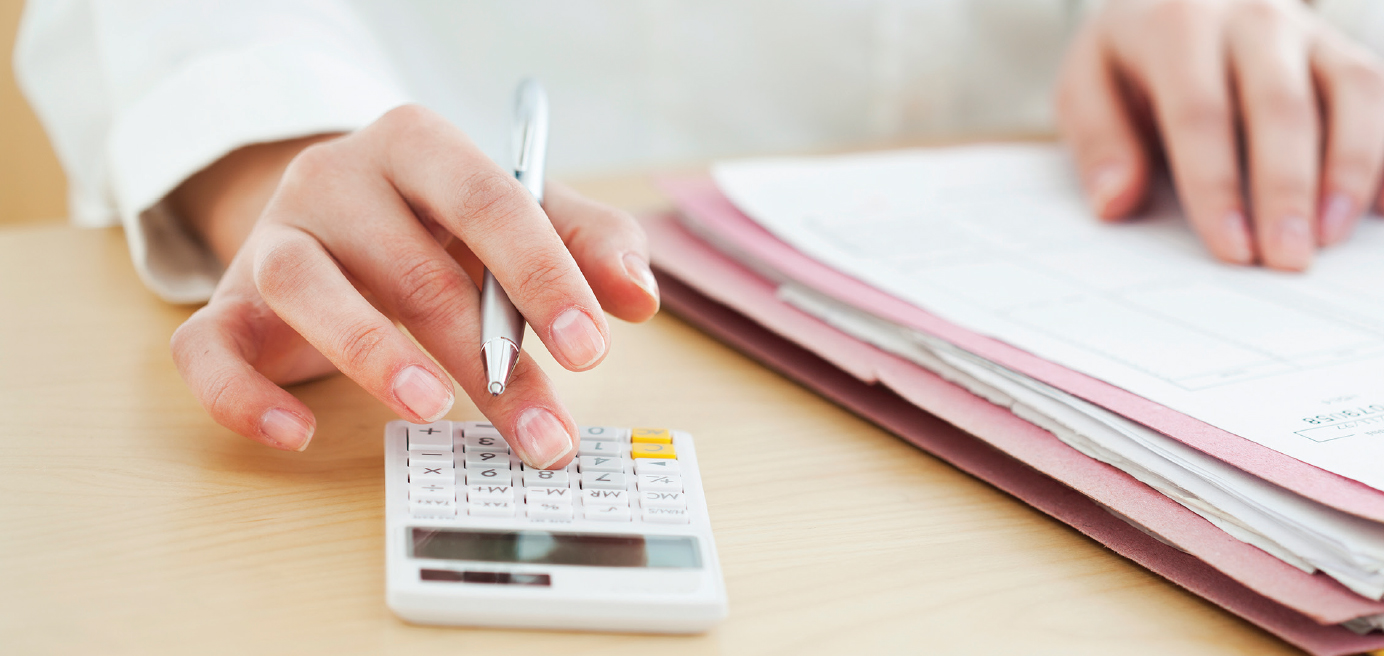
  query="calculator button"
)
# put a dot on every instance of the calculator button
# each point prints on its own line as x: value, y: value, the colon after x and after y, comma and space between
x: 516, y: 463
x: 430, y: 437
x: 481, y: 475
x: 545, y: 478
x: 445, y: 491
x: 656, y: 466
x: 600, y: 448
x: 486, y: 443
x: 476, y: 493
x: 651, y: 435
x: 432, y: 474
x: 602, y: 481
x: 502, y: 464
x: 416, y: 458
x: 432, y: 500
x: 485, y: 458
x: 551, y: 512
x: 660, y: 483
x: 666, y: 515
x: 492, y: 508
x: 601, y: 464
x: 602, y: 433
x: 607, y: 513
x: 605, y: 498
x: 480, y: 430
x: 549, y: 495
x: 647, y: 450
x: 663, y: 499
x: 432, y: 507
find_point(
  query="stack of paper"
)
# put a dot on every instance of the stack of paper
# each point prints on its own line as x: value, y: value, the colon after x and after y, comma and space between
x: 1235, y: 415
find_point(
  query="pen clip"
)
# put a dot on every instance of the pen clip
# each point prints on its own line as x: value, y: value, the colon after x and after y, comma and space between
x: 530, y: 126
x: 523, y: 138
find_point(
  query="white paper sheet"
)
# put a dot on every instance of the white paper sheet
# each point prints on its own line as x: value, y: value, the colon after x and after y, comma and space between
x: 998, y: 239
x: 1299, y: 531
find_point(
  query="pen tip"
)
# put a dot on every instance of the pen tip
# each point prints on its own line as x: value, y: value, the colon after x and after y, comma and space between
x: 496, y: 388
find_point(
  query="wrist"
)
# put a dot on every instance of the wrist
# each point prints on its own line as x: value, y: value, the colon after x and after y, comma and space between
x: 221, y: 203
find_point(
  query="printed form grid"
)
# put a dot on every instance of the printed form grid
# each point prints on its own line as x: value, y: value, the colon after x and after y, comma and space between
x: 1236, y: 335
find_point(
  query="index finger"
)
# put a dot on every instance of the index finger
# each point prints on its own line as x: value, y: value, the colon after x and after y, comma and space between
x: 1279, y: 105
x: 1190, y: 92
x: 444, y: 177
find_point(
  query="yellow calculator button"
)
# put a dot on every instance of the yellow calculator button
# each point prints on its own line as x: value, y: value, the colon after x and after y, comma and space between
x: 651, y: 435
x: 652, y: 450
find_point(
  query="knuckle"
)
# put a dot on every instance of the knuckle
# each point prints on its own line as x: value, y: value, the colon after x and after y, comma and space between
x: 314, y: 163
x: 1284, y: 106
x: 606, y: 220
x: 404, y: 118
x: 429, y: 288
x: 358, y: 343
x: 1351, y: 167
x: 279, y: 267
x: 487, y: 197
x: 1259, y: 14
x: 1200, y: 114
x: 218, y: 393
x: 1176, y: 15
x: 1282, y: 187
x: 184, y: 341
x: 603, y: 229
x: 541, y: 277
x: 1365, y: 78
x: 1221, y: 185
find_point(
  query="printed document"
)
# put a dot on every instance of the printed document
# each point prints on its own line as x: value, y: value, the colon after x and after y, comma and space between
x: 998, y: 239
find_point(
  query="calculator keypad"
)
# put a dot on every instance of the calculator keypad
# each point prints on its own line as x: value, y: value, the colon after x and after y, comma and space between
x: 620, y: 475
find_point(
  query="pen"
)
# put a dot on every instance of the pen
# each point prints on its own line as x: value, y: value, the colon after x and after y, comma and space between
x: 502, y: 327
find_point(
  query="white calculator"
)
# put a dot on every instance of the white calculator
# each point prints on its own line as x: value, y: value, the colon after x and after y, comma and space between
x: 619, y: 540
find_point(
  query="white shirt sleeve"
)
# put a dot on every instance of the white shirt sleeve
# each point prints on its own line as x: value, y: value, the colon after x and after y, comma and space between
x: 1361, y: 19
x: 137, y: 96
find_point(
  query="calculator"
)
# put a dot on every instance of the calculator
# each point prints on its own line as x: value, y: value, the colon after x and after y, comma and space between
x: 619, y: 540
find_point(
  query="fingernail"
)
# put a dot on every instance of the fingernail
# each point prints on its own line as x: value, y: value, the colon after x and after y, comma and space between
x: 1105, y: 186
x: 1237, y: 243
x: 286, y: 429
x: 542, y: 439
x: 1294, y: 244
x: 1336, y: 212
x: 637, y: 268
x: 576, y: 336
x: 422, y: 393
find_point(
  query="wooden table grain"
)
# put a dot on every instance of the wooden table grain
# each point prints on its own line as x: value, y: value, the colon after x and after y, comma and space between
x: 130, y: 523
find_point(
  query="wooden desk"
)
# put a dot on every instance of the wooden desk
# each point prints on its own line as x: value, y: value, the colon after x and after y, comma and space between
x: 132, y: 524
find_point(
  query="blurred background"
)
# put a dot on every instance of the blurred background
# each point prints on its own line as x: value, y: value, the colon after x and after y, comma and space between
x: 32, y: 189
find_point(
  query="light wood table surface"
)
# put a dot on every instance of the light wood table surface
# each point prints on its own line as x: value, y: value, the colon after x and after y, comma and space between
x: 130, y: 523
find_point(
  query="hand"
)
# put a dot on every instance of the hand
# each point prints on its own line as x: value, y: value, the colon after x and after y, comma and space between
x: 353, y: 240
x: 1208, y: 80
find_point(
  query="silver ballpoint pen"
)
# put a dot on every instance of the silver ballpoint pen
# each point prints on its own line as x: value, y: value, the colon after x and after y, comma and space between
x: 502, y: 327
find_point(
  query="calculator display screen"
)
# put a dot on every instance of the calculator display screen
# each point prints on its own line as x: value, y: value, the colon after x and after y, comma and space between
x: 547, y: 548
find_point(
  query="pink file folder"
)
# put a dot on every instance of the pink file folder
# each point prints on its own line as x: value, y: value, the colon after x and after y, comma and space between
x: 1011, y: 453
x: 700, y: 199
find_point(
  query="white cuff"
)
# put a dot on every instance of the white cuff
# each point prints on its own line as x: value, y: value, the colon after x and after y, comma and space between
x: 1362, y: 20
x: 215, y: 104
